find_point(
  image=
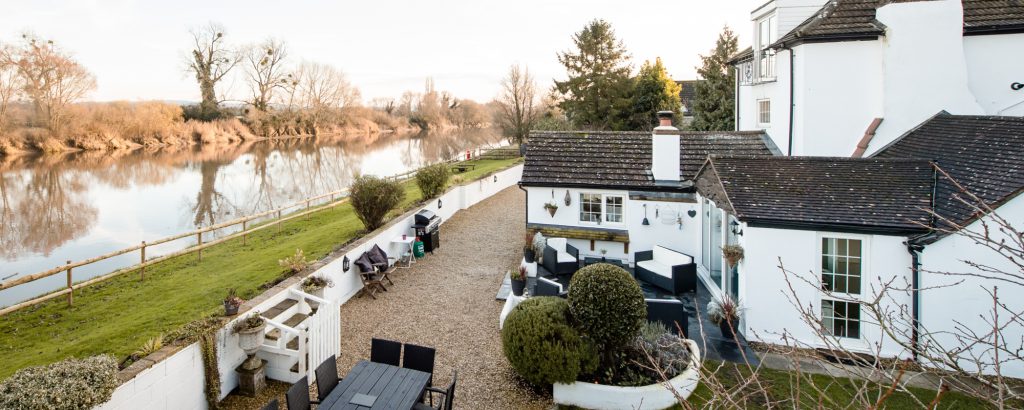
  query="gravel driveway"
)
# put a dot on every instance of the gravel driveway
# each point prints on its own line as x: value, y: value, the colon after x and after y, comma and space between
x: 447, y: 301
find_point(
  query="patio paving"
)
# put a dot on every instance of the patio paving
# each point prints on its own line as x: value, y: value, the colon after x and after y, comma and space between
x: 446, y: 301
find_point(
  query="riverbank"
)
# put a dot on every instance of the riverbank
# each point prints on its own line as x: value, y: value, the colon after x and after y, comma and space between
x: 119, y: 315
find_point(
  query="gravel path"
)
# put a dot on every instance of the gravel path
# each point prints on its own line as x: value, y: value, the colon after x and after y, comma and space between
x: 447, y: 301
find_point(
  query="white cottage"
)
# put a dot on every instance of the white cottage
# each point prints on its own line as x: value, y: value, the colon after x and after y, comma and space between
x: 846, y: 77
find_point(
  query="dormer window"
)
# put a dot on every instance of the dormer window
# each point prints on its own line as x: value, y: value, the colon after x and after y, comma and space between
x: 767, y: 33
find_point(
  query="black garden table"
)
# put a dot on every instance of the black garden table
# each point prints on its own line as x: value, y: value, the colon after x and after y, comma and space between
x: 377, y: 386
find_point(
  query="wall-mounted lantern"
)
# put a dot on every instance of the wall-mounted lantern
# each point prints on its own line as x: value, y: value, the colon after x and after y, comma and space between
x: 568, y: 199
x: 736, y: 228
x: 645, y: 222
x: 495, y: 178
x: 345, y: 264
x: 438, y: 203
x: 1017, y: 86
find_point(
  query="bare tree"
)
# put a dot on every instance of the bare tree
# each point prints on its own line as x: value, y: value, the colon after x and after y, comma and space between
x: 210, y: 60
x: 385, y: 104
x: 10, y: 82
x: 517, y: 101
x: 51, y: 79
x: 265, y: 67
x: 323, y: 90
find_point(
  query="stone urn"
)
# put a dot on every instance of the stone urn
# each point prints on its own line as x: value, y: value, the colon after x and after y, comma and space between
x: 318, y: 292
x: 250, y: 341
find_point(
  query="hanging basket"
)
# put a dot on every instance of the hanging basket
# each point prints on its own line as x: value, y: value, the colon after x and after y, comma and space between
x: 552, y: 208
x: 733, y: 254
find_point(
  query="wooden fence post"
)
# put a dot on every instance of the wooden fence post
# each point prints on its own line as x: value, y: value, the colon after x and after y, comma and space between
x: 71, y: 291
x: 279, y: 221
x: 307, y: 209
x: 199, y: 235
x: 142, y: 259
x: 243, y: 231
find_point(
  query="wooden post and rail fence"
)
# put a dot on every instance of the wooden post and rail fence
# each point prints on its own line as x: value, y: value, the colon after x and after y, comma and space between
x: 278, y: 218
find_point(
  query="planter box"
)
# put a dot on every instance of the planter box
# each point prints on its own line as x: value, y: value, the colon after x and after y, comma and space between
x: 655, y: 396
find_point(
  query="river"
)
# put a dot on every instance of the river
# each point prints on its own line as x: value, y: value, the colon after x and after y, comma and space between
x: 76, y: 206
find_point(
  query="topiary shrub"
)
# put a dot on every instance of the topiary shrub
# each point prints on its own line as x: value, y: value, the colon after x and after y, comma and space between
x: 433, y: 179
x: 68, y: 384
x: 608, y: 305
x: 541, y: 344
x: 373, y: 198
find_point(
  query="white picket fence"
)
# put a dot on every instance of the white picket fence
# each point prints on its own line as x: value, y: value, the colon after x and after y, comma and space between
x: 324, y: 333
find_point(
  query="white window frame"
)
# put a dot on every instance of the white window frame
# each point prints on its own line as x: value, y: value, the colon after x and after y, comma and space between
x: 764, y: 58
x: 761, y: 114
x: 846, y: 297
x: 604, y: 214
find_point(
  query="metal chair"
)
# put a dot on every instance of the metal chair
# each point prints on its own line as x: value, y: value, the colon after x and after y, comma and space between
x: 326, y: 378
x: 273, y: 405
x: 385, y: 351
x: 448, y: 395
x: 419, y: 358
x: 298, y: 395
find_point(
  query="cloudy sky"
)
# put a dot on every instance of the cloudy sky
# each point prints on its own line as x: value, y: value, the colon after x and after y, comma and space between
x: 136, y: 48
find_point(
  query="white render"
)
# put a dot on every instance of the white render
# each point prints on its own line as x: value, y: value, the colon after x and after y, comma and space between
x: 665, y: 162
x: 923, y: 64
x: 969, y: 302
x: 654, y: 396
x: 174, y: 383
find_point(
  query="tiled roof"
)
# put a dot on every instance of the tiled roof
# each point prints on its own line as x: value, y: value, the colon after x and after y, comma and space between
x: 623, y: 159
x: 818, y: 192
x: 744, y: 55
x: 688, y: 93
x: 985, y: 154
x: 844, y: 19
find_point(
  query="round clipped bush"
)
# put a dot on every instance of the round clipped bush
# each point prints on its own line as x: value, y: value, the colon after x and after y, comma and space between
x: 433, y: 179
x: 373, y: 198
x: 608, y: 305
x: 542, y: 345
x: 70, y: 384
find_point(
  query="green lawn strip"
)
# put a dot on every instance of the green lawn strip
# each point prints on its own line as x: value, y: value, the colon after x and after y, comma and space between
x: 840, y: 391
x: 119, y: 315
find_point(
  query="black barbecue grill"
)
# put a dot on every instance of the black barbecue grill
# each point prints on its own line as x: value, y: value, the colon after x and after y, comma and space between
x: 428, y: 229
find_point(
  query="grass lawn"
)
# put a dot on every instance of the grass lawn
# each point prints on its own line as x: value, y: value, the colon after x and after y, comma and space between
x: 839, y: 392
x: 119, y: 315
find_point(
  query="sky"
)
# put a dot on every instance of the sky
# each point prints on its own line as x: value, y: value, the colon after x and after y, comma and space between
x: 136, y: 49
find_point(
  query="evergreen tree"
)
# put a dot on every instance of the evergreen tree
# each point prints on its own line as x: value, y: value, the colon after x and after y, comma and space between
x: 714, y: 104
x: 598, y: 86
x: 653, y: 91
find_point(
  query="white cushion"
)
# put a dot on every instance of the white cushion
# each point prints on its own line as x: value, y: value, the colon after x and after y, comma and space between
x: 670, y: 257
x: 558, y: 244
x: 656, y: 267
x: 565, y: 257
x: 551, y: 282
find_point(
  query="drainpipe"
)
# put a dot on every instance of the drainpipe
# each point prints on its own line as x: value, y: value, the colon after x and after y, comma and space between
x: 915, y: 250
x: 792, y: 103
x: 526, y: 203
x: 736, y: 102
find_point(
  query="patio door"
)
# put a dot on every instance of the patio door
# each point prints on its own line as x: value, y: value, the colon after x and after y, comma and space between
x: 732, y: 278
x: 705, y: 235
x: 713, y: 242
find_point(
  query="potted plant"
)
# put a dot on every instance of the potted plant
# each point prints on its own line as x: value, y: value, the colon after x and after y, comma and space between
x: 603, y: 253
x: 250, y: 333
x: 529, y: 254
x: 231, y: 303
x: 551, y: 207
x: 295, y: 263
x: 539, y: 242
x: 314, y: 285
x: 518, y: 277
x: 733, y: 254
x: 725, y: 312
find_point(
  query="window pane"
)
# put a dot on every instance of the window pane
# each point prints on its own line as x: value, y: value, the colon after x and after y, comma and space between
x: 854, y: 287
x: 841, y: 247
x: 840, y: 309
x: 840, y: 284
x: 840, y: 265
x: 827, y: 264
x: 840, y: 328
x: 826, y: 282
x: 826, y: 308
x: 613, y: 211
x: 854, y: 247
x: 828, y: 246
x: 854, y: 267
x: 853, y: 330
x: 853, y: 311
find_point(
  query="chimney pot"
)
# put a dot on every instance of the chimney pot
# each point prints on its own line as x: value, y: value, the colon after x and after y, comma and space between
x: 665, y: 118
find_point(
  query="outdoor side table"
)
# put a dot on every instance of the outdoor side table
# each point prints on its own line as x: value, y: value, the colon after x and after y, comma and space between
x: 406, y: 244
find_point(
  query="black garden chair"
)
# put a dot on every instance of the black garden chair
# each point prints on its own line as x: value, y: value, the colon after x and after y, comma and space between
x: 385, y: 351
x: 326, y: 378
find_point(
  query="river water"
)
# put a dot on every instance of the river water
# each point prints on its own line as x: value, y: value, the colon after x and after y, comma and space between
x: 73, y: 207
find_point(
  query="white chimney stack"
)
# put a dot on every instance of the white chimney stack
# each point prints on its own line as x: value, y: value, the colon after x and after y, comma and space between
x: 665, y: 149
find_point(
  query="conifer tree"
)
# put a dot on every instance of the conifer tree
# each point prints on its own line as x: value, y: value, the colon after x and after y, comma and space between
x: 714, y: 102
x: 597, y: 90
x: 653, y: 91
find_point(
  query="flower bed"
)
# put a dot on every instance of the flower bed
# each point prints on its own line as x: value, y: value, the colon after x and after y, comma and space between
x: 657, y: 396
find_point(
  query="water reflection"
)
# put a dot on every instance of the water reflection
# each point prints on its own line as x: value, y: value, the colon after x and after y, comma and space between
x: 76, y: 206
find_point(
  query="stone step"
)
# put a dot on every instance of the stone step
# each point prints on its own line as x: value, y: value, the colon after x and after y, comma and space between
x: 293, y: 321
x: 280, y: 308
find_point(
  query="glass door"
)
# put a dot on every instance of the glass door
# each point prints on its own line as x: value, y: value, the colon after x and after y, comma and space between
x: 705, y: 237
x: 732, y: 279
x: 715, y: 226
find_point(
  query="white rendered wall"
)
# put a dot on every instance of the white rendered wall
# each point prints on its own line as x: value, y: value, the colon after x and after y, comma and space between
x: 969, y: 302
x: 685, y: 239
x: 175, y: 383
x: 925, y: 65
x: 838, y: 92
x: 764, y: 292
x: 993, y: 63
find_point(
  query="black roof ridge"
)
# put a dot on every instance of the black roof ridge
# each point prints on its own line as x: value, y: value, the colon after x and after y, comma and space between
x: 681, y: 132
x: 912, y: 130
x: 816, y: 158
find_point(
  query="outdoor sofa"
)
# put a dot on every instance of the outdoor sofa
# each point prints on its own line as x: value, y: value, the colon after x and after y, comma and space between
x: 560, y: 258
x: 667, y: 269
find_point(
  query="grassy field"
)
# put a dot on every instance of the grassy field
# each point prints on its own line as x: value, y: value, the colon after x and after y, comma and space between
x: 119, y: 315
x: 838, y: 393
